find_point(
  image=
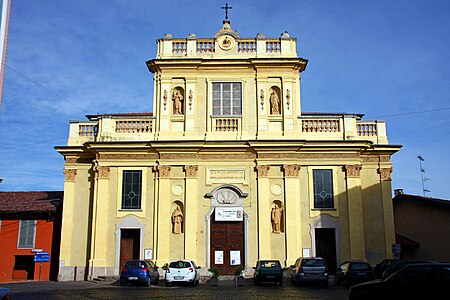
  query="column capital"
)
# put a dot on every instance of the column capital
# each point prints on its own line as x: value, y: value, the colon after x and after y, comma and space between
x: 191, y: 171
x: 385, y: 174
x: 163, y: 171
x: 70, y: 174
x: 353, y: 170
x: 291, y: 170
x: 101, y: 171
x: 262, y: 170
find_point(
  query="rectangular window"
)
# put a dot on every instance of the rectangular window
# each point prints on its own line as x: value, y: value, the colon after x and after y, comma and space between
x: 131, y: 189
x: 227, y: 98
x: 27, y: 234
x: 323, y: 189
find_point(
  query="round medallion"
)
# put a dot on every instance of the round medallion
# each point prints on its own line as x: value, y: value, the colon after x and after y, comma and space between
x: 177, y: 189
x: 276, y: 189
x: 226, y: 42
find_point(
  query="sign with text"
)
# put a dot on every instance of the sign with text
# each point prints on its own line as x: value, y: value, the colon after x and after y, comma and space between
x: 41, y: 257
x: 232, y: 175
x: 235, y: 258
x: 229, y: 213
x: 218, y: 257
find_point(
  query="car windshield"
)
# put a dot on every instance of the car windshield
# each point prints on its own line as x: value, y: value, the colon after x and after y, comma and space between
x: 179, y: 264
x: 313, y: 263
x: 360, y: 266
x: 135, y: 264
x: 270, y: 264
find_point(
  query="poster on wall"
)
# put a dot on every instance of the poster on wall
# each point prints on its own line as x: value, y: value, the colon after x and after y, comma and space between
x: 306, y: 252
x: 148, y: 254
x: 229, y: 213
x: 218, y: 257
x: 235, y: 258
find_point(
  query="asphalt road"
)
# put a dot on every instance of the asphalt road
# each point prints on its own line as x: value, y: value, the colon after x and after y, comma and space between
x: 226, y: 290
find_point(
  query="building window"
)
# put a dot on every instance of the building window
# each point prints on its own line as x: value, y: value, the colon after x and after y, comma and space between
x: 227, y: 98
x: 131, y: 189
x: 323, y: 189
x: 27, y: 234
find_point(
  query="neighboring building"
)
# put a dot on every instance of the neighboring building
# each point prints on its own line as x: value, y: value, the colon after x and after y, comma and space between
x: 226, y: 170
x: 29, y: 222
x: 422, y: 227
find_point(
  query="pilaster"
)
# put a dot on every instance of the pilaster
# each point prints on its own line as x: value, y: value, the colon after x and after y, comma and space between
x: 292, y: 213
x: 264, y: 222
x: 190, y: 213
x: 67, y: 236
x: 388, y: 211
x: 355, y: 211
x: 164, y: 217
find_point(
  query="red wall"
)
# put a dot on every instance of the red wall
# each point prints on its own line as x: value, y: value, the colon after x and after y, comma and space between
x: 9, y: 233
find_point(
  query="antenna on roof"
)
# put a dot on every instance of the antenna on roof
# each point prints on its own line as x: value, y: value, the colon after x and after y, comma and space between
x: 422, y: 171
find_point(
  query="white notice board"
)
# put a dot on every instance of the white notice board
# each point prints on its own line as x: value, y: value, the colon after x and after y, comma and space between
x: 218, y: 257
x: 235, y: 258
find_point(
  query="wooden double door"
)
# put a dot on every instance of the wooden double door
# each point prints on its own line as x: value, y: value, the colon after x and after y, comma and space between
x: 129, y: 245
x: 227, y: 242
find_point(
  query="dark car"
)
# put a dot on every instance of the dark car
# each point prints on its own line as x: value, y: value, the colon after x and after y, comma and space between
x: 382, y: 266
x: 310, y: 270
x: 139, y: 272
x: 4, y: 294
x: 414, y: 281
x: 398, y: 264
x: 353, y: 272
x: 268, y: 271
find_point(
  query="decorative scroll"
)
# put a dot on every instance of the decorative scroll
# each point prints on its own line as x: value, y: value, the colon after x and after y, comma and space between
x: 353, y: 170
x: 70, y: 174
x: 385, y: 174
x: 191, y: 171
x: 190, y: 99
x: 164, y: 171
x: 291, y: 170
x: 262, y: 170
x: 288, y: 98
x: 165, y: 99
x: 262, y: 99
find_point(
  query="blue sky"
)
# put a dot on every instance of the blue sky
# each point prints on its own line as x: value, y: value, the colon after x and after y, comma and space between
x: 383, y: 58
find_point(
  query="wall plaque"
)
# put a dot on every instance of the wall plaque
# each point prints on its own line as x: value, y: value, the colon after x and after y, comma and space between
x: 226, y: 175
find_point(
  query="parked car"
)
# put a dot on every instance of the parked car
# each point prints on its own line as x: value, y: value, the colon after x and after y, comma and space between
x: 268, y: 271
x: 139, y: 271
x: 182, y: 271
x: 4, y: 294
x: 310, y: 270
x: 414, y: 281
x: 352, y: 272
x: 382, y: 266
x: 397, y: 265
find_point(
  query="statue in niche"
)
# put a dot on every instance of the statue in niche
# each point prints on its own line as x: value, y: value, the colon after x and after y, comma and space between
x: 177, y: 220
x: 177, y: 98
x: 274, y: 103
x: 277, y: 213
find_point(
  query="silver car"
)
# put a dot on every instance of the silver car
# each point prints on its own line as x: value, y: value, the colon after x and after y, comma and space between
x: 182, y: 271
x: 310, y: 270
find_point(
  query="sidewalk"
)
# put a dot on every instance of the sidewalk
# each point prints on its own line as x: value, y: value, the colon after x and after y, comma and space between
x: 40, y: 286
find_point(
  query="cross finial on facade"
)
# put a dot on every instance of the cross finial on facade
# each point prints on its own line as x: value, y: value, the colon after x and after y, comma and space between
x: 226, y: 7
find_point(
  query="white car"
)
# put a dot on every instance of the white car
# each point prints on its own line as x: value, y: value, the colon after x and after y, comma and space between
x: 184, y: 271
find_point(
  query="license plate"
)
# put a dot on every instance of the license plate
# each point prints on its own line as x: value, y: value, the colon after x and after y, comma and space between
x: 178, y: 277
x: 270, y: 276
x: 361, y: 274
x: 132, y: 278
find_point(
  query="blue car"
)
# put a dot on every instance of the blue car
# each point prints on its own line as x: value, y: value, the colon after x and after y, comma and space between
x: 138, y: 272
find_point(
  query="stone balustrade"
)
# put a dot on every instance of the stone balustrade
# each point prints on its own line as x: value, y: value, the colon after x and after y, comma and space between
x: 310, y: 127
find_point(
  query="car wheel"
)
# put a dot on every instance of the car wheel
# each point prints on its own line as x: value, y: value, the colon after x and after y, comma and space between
x: 280, y: 282
x: 157, y: 281
x: 258, y: 282
x: 336, y: 280
x: 122, y: 283
x: 325, y: 283
x: 167, y: 283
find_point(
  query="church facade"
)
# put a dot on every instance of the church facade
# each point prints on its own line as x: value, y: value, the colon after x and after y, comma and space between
x: 226, y: 170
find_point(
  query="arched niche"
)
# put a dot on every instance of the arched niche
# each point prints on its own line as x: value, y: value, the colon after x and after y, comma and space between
x: 178, y: 100
x: 277, y: 214
x: 177, y: 217
x: 275, y: 100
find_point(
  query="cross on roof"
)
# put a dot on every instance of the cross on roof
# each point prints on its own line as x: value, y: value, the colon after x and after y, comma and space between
x: 226, y: 7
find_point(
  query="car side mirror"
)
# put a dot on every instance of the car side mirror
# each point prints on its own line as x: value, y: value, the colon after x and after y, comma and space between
x: 254, y: 268
x: 198, y: 267
x: 292, y: 266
